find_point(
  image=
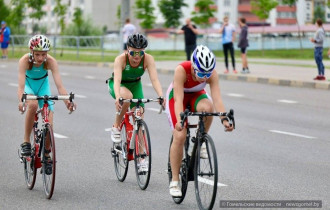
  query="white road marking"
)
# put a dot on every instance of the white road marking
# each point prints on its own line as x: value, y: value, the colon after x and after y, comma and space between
x: 287, y: 101
x: 235, y: 95
x: 209, y: 182
x: 79, y: 96
x: 292, y: 134
x: 59, y: 136
x: 149, y: 85
x: 89, y: 77
x: 107, y: 129
x: 3, y: 66
x: 154, y: 109
x: 13, y: 84
x: 64, y: 74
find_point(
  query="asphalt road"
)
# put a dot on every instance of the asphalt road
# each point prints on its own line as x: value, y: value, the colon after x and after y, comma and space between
x: 279, y: 151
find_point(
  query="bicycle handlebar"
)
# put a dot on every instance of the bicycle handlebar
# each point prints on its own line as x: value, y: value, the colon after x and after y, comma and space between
x: 46, y: 98
x: 143, y: 100
x: 229, y: 115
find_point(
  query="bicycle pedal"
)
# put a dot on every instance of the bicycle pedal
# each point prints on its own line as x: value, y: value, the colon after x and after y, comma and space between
x: 113, y: 153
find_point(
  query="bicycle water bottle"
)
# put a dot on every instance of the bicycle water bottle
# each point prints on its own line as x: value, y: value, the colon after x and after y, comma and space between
x: 191, y: 145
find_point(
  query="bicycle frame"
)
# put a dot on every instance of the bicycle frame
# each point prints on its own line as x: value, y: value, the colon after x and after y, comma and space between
x: 132, y: 129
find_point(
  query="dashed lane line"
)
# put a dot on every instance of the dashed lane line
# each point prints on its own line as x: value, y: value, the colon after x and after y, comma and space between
x: 292, y: 134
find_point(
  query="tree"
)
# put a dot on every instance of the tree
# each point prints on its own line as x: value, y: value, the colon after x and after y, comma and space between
x: 16, y: 16
x: 78, y: 18
x: 60, y: 11
x: 319, y: 13
x: 171, y: 11
x: 204, y: 13
x: 292, y: 3
x: 262, y: 8
x: 144, y: 12
x: 36, y: 6
x: 4, y: 11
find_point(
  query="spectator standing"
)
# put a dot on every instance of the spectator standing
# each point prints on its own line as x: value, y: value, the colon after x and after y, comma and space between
x: 128, y: 29
x: 228, y: 37
x: 318, y: 49
x: 190, y: 35
x: 4, y: 39
x: 243, y: 43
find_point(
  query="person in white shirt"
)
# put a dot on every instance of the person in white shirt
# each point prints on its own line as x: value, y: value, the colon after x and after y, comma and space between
x: 228, y: 38
x: 128, y: 29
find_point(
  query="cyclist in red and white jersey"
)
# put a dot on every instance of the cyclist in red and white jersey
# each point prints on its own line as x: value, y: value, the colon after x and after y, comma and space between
x: 187, y: 89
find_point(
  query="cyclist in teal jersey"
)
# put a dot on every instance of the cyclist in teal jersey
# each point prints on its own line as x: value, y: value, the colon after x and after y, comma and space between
x: 126, y: 78
x: 33, y: 71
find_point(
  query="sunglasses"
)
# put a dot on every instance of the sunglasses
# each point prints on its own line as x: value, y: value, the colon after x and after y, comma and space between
x: 202, y: 75
x: 134, y: 53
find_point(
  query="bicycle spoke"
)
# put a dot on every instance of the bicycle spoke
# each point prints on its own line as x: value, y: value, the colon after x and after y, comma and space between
x: 121, y: 163
x: 142, y: 157
x: 206, y: 174
x: 48, y: 161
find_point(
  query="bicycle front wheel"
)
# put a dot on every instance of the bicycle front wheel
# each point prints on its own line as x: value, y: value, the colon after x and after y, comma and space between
x: 121, y: 163
x: 30, y: 171
x: 142, y: 155
x: 206, y: 173
x: 48, y: 161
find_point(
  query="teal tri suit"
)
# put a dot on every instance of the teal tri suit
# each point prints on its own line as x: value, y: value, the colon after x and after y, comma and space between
x: 37, y: 83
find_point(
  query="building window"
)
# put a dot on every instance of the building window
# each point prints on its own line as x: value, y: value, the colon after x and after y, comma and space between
x: 226, y: 3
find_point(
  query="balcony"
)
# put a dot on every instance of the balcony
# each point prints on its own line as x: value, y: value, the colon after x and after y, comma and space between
x: 244, y: 8
x: 286, y: 21
x: 286, y: 9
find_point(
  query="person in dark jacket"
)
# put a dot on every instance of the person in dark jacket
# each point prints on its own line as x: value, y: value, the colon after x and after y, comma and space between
x: 190, y: 35
x: 243, y: 43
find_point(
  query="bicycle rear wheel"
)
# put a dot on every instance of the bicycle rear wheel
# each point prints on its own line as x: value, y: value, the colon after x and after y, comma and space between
x: 183, y: 174
x: 121, y: 163
x: 30, y: 171
x: 206, y: 174
x: 142, y: 155
x: 48, y: 164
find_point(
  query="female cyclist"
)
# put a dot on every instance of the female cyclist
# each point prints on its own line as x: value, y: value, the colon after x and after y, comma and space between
x: 126, y: 79
x: 33, y: 71
x: 187, y: 89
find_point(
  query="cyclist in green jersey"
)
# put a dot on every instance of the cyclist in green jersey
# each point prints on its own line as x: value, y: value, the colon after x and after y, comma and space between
x: 126, y: 78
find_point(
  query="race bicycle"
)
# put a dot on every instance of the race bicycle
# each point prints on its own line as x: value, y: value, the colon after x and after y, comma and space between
x: 202, y: 170
x: 43, y: 153
x: 135, y: 143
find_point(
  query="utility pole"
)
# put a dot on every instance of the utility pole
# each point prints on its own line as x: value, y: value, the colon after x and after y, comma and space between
x: 124, y: 14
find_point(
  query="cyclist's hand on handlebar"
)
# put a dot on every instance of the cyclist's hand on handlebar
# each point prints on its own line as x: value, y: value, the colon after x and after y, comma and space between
x: 20, y: 107
x: 228, y: 127
x: 71, y: 106
x: 162, y: 102
x: 118, y: 105
x: 178, y: 126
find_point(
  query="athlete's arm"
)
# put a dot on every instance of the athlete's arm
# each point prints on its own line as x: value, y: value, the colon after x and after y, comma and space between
x: 22, y: 66
x: 53, y: 66
x: 118, y: 70
x: 178, y: 84
x: 216, y: 97
x: 151, y: 68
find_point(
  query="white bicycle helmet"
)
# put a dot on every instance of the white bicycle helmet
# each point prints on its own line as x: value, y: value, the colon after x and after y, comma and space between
x: 202, y: 59
x: 39, y: 43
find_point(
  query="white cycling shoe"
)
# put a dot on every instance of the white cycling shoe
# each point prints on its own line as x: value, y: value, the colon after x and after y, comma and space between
x: 115, y: 135
x: 203, y: 154
x: 175, y: 189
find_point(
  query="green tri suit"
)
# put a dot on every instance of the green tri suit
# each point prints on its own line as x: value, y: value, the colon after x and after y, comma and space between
x: 131, y: 79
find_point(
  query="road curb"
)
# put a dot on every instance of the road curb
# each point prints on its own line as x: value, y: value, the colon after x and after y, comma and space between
x: 263, y: 80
